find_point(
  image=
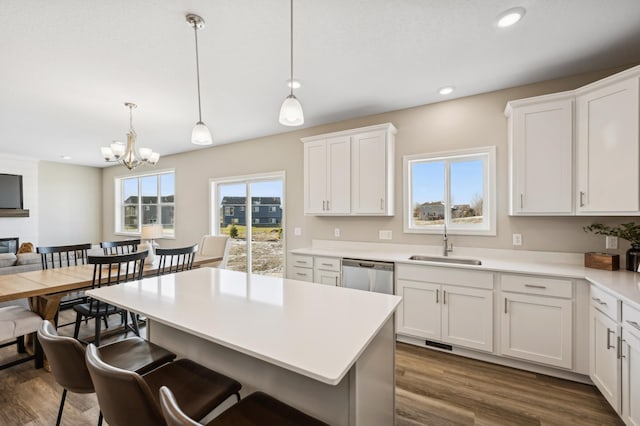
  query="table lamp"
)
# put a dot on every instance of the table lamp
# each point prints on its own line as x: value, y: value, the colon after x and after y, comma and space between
x: 151, y: 232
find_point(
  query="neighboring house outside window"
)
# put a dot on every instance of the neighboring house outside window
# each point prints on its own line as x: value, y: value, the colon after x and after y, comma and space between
x: 145, y: 199
x: 270, y: 214
x: 456, y: 189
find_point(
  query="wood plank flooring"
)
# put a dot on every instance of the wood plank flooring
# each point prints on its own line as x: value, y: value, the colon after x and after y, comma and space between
x: 433, y: 388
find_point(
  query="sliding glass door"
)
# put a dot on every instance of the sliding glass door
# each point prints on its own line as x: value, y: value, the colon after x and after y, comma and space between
x: 250, y: 210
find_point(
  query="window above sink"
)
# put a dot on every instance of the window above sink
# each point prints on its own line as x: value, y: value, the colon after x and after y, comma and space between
x: 455, y: 189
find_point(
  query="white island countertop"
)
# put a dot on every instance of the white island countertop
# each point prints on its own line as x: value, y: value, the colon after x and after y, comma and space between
x: 315, y: 330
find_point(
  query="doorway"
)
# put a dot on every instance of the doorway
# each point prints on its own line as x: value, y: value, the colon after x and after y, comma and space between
x: 250, y: 210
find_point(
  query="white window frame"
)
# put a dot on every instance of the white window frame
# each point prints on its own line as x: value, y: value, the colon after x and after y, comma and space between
x: 119, y: 202
x: 489, y: 213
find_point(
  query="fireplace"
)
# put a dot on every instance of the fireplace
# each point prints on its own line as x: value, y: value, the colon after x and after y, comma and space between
x: 9, y: 245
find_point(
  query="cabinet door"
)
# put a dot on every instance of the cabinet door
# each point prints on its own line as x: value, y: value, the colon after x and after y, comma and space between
x: 542, y: 159
x: 604, y: 366
x: 369, y: 167
x: 418, y: 314
x: 608, y: 152
x: 631, y: 379
x: 537, y: 329
x: 326, y: 277
x: 338, y: 175
x: 467, y: 317
x: 315, y: 177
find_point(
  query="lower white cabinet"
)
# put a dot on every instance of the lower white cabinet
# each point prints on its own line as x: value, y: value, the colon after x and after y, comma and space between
x: 452, y: 314
x: 605, y: 368
x: 631, y: 378
x: 326, y: 270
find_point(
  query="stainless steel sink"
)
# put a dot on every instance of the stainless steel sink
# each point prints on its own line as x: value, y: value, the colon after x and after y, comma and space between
x: 446, y: 260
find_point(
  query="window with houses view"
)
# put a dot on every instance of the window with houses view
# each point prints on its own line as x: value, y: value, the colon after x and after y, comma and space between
x: 456, y: 189
x: 145, y: 199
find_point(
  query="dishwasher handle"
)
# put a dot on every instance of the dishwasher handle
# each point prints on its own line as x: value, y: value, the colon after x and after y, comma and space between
x: 370, y: 264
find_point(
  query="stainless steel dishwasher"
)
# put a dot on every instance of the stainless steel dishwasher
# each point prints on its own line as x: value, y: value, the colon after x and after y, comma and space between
x: 368, y: 275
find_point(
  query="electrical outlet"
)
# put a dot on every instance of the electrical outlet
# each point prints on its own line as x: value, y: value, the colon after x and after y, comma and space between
x: 384, y: 235
x: 611, y: 242
x: 297, y: 231
x: 517, y: 239
x: 336, y: 232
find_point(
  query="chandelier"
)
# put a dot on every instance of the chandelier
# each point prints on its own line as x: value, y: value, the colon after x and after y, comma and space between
x: 128, y: 155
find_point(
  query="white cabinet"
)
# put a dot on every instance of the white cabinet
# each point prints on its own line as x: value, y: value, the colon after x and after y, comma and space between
x: 451, y: 306
x: 541, y: 155
x: 605, y: 368
x: 630, y: 355
x: 372, y: 173
x: 327, y: 165
x: 300, y: 267
x: 326, y: 270
x: 607, y: 148
x: 350, y: 172
x: 537, y: 319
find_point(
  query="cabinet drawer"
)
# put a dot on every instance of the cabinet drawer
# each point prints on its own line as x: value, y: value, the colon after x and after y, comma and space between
x: 302, y: 261
x: 445, y: 275
x: 605, y: 302
x: 537, y: 285
x: 631, y: 319
x: 327, y: 263
x: 301, y: 274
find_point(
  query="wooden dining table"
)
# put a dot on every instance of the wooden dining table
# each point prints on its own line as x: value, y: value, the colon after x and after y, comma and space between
x: 44, y: 288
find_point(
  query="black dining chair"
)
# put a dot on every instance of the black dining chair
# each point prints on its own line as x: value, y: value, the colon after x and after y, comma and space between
x: 52, y: 257
x: 66, y: 358
x: 110, y: 270
x: 128, y: 398
x: 120, y: 247
x: 175, y: 259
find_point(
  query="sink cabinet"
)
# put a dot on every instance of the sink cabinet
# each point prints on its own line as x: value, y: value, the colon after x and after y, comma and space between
x: 350, y: 173
x: 446, y: 305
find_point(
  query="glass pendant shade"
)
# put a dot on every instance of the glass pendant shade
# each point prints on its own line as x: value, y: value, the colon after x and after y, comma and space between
x: 291, y: 112
x: 200, y: 135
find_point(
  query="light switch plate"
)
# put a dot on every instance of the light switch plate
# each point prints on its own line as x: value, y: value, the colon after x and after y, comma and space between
x: 336, y: 232
x: 384, y: 234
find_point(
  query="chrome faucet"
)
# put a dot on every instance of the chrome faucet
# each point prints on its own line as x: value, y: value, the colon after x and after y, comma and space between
x: 446, y: 247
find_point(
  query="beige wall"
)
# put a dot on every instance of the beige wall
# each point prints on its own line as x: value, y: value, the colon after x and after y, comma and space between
x: 461, y: 123
x: 70, y: 204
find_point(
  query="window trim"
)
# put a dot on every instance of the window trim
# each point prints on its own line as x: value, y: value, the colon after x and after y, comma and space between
x: 117, y: 182
x: 489, y: 199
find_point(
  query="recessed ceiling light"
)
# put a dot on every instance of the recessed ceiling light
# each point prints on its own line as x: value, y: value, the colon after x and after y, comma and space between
x: 510, y: 17
x: 446, y: 90
x: 294, y: 85
x: 65, y: 157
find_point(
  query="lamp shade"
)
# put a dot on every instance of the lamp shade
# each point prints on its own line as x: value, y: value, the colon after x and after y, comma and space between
x: 200, y: 135
x: 291, y: 112
x: 151, y: 231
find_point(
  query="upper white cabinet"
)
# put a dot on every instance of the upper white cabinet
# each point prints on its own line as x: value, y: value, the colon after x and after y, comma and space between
x: 582, y: 163
x: 350, y: 172
x: 607, y: 148
x: 541, y: 155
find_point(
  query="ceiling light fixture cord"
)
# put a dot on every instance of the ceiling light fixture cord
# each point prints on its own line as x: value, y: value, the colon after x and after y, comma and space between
x: 195, y: 30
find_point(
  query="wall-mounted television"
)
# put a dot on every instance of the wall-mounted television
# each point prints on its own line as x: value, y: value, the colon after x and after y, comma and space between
x: 10, y: 191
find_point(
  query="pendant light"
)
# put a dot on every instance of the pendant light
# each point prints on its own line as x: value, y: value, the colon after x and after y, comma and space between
x: 200, y: 135
x: 291, y: 111
x: 128, y: 155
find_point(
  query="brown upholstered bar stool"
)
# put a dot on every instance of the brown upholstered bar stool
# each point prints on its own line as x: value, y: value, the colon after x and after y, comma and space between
x: 198, y: 389
x: 256, y: 409
x: 67, y: 359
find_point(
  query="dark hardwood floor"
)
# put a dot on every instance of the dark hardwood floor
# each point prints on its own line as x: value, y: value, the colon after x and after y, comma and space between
x: 433, y: 388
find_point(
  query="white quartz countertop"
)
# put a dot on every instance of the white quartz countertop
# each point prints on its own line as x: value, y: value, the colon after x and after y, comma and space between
x: 622, y: 283
x: 314, y: 330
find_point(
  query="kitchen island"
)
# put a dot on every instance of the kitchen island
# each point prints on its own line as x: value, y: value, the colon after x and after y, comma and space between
x: 327, y: 351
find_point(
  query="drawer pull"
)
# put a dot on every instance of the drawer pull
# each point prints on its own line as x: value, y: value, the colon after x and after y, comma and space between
x: 301, y: 261
x: 437, y: 296
x: 326, y: 264
x: 634, y: 324
x: 536, y: 286
x: 598, y: 301
x: 609, y: 331
x: 444, y: 297
x: 301, y: 274
x: 505, y: 305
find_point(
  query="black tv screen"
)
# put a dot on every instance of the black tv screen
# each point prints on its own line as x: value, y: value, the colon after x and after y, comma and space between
x: 10, y: 191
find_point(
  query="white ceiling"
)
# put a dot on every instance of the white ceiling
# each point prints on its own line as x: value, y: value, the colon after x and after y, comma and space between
x: 69, y: 65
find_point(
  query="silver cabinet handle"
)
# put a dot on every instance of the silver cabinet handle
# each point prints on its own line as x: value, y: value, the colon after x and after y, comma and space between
x: 301, y: 274
x: 444, y: 297
x: 582, y: 198
x: 437, y: 296
x: 598, y: 301
x: 336, y: 281
x: 634, y: 324
x: 301, y: 261
x: 535, y: 286
x: 521, y: 201
x: 326, y: 264
x: 620, y: 347
x: 324, y: 205
x: 381, y: 203
x: 328, y: 208
x: 505, y: 305
x: 609, y: 331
